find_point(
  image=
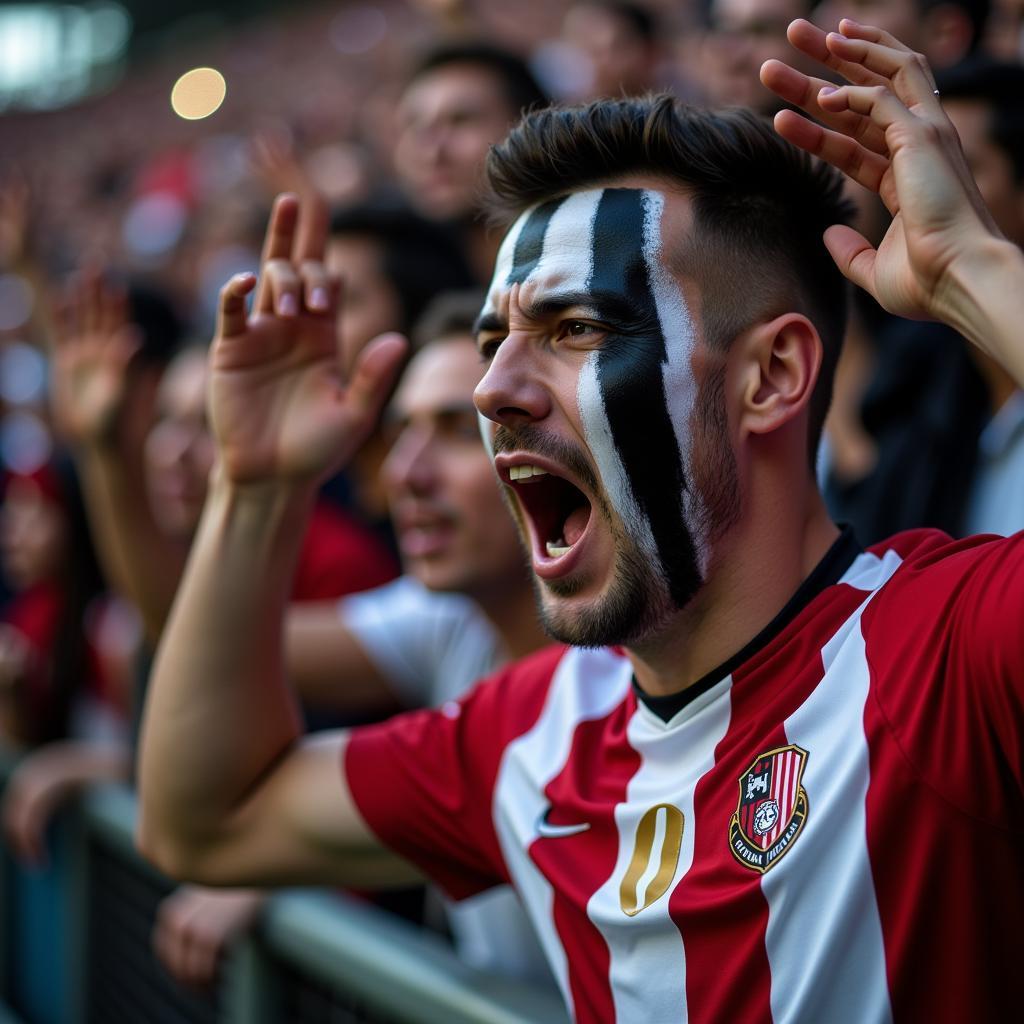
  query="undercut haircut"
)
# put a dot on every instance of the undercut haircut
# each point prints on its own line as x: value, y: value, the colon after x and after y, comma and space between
x: 760, y: 207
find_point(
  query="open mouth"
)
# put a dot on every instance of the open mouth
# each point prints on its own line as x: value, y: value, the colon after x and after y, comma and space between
x: 557, y: 510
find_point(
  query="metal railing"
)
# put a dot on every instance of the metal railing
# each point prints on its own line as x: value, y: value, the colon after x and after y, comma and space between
x: 75, y: 949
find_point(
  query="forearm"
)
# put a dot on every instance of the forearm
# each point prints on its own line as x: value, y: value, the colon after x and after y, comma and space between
x: 985, y: 302
x: 219, y: 714
x: 139, y: 560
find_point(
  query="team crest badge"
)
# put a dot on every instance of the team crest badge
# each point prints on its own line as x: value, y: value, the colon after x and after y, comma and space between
x: 772, y: 808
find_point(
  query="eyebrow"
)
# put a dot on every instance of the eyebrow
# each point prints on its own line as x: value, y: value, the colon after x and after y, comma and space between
x: 609, y: 305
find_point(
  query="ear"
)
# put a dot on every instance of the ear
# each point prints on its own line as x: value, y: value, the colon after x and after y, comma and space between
x: 777, y: 365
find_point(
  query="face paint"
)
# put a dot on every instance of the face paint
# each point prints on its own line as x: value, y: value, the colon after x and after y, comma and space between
x: 636, y: 393
x: 630, y: 374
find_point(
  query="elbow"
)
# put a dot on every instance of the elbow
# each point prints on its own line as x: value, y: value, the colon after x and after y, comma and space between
x: 167, y: 851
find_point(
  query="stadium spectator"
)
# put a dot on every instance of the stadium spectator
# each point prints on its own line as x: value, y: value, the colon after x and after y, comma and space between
x: 741, y: 36
x: 945, y: 31
x: 460, y: 99
x: 463, y: 608
x: 718, y: 819
x: 620, y: 46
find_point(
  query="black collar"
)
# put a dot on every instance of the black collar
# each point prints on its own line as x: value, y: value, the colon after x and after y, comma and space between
x: 826, y: 573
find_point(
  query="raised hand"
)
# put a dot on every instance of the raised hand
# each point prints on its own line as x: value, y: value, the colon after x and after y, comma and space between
x: 94, y: 342
x: 886, y: 130
x: 279, y: 408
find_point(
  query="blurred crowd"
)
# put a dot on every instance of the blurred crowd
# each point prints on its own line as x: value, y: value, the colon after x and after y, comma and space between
x: 119, y: 224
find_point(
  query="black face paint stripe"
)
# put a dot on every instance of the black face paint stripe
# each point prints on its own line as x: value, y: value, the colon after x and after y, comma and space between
x: 631, y: 379
x: 530, y: 243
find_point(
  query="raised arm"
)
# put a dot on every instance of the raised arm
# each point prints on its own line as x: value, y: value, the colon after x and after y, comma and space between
x: 942, y: 257
x: 230, y: 792
x: 103, y: 406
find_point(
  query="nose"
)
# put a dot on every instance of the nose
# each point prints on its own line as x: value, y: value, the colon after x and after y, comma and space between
x: 411, y: 465
x: 512, y: 392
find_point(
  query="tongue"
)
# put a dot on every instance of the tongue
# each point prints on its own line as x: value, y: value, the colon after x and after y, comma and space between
x: 575, y: 524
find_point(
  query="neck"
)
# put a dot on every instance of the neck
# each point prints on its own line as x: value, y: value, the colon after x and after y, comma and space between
x: 755, y: 570
x: 513, y: 614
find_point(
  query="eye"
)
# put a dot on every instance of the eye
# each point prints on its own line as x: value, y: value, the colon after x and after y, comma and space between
x: 579, y: 329
x: 488, y: 348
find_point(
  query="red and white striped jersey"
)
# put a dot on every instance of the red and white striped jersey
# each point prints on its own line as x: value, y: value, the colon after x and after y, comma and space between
x: 831, y: 831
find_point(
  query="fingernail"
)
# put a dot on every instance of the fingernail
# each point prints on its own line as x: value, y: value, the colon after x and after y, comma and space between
x: 287, y: 305
x: 318, y: 298
x: 827, y: 90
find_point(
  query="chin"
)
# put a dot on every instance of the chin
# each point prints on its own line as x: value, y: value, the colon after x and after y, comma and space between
x: 635, y: 607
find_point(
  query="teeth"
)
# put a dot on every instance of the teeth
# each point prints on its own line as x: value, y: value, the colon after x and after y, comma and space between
x: 557, y: 550
x: 525, y: 472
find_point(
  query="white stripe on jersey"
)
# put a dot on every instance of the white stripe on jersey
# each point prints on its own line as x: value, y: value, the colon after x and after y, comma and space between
x: 647, y: 972
x: 852, y: 984
x: 587, y: 684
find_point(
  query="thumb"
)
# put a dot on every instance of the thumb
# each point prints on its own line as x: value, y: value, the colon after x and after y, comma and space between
x: 853, y: 255
x: 374, y: 373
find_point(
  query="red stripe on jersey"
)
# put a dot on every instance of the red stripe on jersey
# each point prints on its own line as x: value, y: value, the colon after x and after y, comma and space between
x: 728, y: 977
x: 444, y: 763
x: 578, y: 796
x: 944, y: 807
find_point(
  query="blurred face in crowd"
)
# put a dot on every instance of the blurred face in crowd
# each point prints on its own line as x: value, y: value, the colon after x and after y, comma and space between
x: 992, y: 168
x: 180, y: 450
x: 1004, y: 30
x: 620, y: 60
x: 452, y: 527
x: 744, y: 34
x: 619, y: 470
x: 369, y: 302
x: 942, y: 33
x: 448, y: 119
x: 33, y: 533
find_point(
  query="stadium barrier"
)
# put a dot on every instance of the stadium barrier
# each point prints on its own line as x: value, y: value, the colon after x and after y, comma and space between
x: 75, y: 949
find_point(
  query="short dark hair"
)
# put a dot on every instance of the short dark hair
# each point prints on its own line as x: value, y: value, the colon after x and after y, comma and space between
x: 420, y: 258
x: 640, y: 21
x: 520, y: 87
x: 1000, y: 86
x: 448, y: 315
x: 760, y: 207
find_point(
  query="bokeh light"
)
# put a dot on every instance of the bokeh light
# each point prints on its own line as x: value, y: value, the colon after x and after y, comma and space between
x: 198, y: 93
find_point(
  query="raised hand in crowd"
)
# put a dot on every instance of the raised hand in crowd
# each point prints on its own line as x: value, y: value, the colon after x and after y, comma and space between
x: 942, y: 256
x: 93, y: 346
x: 280, y: 410
x: 103, y: 401
x: 195, y: 927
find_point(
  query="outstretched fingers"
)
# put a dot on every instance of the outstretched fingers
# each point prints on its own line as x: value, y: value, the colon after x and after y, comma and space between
x: 279, y: 284
x: 800, y: 90
x: 373, y: 375
x: 861, y: 164
x: 231, y: 312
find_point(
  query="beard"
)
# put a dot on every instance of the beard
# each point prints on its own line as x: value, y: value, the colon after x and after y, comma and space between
x: 638, y: 602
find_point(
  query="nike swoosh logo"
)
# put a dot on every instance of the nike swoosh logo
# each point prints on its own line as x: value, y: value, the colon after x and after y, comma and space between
x: 546, y: 830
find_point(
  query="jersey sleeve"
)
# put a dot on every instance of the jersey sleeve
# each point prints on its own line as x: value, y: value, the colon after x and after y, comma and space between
x: 424, y: 781
x: 408, y: 633
x: 945, y: 643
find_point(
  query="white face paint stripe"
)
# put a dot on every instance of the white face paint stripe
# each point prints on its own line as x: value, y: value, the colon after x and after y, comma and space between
x: 840, y: 901
x: 503, y: 264
x: 648, y: 958
x: 677, y: 328
x: 610, y: 467
x: 532, y: 761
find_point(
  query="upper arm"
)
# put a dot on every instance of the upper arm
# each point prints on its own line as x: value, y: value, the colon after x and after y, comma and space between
x: 299, y: 825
